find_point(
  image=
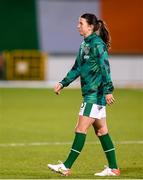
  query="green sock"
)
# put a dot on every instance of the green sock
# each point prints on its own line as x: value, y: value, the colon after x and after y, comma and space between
x: 76, y: 149
x: 109, y: 150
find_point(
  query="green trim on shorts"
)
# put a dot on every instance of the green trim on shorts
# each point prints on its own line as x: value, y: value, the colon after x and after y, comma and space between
x: 87, y: 109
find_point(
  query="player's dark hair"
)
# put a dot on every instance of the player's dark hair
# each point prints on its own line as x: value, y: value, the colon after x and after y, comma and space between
x: 100, y: 26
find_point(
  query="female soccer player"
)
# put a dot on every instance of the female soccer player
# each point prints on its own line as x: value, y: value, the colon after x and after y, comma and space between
x: 92, y: 66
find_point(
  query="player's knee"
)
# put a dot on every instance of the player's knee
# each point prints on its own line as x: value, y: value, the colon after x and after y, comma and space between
x: 81, y: 130
x: 102, y: 131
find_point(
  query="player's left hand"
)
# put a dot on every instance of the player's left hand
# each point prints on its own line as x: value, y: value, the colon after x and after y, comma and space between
x: 110, y: 99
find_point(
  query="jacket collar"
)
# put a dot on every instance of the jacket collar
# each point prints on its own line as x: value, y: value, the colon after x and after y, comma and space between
x: 87, y: 39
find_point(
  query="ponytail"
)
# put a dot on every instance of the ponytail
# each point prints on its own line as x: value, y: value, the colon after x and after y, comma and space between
x: 104, y: 33
x: 99, y: 26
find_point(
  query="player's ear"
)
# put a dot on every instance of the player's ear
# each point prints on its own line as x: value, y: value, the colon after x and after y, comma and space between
x: 91, y: 27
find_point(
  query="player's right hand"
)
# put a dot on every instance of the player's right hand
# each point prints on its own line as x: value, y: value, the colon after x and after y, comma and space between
x: 57, y: 88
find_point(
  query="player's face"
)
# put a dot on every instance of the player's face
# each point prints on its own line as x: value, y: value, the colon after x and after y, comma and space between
x: 84, y: 28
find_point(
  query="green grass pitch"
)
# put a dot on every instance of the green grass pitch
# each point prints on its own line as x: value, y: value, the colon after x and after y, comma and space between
x: 30, y: 116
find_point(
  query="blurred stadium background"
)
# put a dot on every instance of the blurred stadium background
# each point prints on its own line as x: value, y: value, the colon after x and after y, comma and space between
x: 38, y: 45
x: 39, y: 40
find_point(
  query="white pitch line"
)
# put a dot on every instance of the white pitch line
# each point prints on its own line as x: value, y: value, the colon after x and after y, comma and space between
x: 61, y: 143
x: 33, y: 144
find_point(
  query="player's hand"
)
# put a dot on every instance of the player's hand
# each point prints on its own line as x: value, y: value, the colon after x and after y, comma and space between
x: 57, y: 88
x: 110, y: 99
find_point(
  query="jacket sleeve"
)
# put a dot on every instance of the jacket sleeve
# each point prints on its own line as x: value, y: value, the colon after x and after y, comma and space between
x: 104, y: 65
x: 72, y: 74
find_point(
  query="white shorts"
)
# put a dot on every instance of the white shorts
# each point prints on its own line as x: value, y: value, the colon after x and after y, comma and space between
x: 92, y: 110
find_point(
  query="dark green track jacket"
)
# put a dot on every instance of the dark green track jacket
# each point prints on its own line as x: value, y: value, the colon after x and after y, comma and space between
x: 92, y: 66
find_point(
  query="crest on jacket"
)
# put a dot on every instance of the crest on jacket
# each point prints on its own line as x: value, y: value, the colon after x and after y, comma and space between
x: 86, y: 49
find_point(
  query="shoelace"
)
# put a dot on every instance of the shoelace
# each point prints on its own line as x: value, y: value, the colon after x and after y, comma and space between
x: 106, y: 168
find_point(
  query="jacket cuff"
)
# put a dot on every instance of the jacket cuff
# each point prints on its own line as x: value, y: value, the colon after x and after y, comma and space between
x: 61, y: 84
